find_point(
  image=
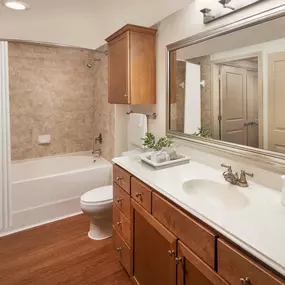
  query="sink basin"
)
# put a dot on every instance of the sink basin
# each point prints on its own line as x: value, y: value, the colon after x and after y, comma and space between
x: 216, y: 194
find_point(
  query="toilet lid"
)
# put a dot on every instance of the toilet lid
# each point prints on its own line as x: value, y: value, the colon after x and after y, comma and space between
x: 98, y: 195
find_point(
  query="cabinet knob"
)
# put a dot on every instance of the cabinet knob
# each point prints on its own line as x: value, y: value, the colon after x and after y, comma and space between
x: 125, y: 95
x: 119, y: 249
x: 171, y: 252
x: 138, y: 195
x: 119, y: 223
x: 118, y: 200
x: 245, y: 281
x: 119, y: 179
x: 178, y: 260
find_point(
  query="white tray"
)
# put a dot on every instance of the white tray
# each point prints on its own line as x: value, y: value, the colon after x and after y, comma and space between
x: 182, y: 160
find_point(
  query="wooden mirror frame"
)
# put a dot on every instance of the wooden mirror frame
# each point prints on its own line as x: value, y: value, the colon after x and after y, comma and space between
x: 273, y: 159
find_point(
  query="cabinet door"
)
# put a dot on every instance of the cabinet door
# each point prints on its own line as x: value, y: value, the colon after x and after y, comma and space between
x: 153, y: 250
x: 118, y: 51
x: 193, y: 271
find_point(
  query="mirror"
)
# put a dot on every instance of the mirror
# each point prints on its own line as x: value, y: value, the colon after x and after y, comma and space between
x: 231, y: 88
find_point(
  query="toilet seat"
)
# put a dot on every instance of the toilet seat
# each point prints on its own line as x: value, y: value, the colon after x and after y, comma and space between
x: 101, y: 195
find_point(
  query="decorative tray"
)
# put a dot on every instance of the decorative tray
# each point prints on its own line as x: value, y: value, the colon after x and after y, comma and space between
x: 181, y: 159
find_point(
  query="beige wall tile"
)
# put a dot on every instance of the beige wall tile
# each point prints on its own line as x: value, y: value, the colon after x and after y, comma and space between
x: 53, y: 92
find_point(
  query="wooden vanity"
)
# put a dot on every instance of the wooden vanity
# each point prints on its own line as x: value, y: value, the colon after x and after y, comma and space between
x: 158, y: 243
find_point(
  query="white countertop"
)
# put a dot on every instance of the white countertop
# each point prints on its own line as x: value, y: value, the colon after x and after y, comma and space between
x: 259, y: 227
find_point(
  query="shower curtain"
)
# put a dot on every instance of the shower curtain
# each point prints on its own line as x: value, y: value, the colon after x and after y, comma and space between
x: 5, y: 153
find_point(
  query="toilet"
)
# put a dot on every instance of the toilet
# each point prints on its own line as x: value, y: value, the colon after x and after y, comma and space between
x: 97, y: 204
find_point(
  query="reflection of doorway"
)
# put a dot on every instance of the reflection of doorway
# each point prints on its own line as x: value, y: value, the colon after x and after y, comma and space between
x: 239, y: 108
x: 239, y: 111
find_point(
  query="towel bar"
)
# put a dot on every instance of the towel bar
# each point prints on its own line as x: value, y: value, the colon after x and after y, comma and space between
x: 149, y: 116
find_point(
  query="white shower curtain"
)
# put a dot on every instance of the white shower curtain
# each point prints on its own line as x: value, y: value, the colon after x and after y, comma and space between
x: 5, y: 154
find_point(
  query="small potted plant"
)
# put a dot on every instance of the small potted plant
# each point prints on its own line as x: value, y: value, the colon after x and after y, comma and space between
x: 162, y: 149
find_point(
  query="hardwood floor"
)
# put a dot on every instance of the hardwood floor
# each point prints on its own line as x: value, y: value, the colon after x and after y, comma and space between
x: 59, y: 253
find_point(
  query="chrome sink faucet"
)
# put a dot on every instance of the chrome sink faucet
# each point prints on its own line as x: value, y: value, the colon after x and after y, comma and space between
x: 234, y: 178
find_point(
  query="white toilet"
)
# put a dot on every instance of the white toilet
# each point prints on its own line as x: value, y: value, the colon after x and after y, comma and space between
x: 97, y: 204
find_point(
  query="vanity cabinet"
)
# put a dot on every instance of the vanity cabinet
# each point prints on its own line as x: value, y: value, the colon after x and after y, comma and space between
x: 197, y: 237
x: 132, y: 60
x: 237, y: 268
x: 153, y: 250
x: 191, y: 269
x: 159, y: 243
x: 122, y: 217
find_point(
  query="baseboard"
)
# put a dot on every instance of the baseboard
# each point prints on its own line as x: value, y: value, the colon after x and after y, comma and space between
x: 43, y: 214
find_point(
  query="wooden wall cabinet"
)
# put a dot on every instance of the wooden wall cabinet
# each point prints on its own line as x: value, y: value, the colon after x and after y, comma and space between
x: 160, y: 244
x: 132, y: 65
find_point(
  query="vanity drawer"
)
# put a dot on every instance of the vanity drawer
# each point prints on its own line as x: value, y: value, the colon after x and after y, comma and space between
x: 121, y: 224
x: 122, y: 200
x: 234, y: 265
x: 141, y: 193
x: 122, y: 178
x: 195, y: 236
x: 123, y: 250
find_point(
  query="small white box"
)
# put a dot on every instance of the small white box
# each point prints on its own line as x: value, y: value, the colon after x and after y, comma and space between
x: 44, y: 139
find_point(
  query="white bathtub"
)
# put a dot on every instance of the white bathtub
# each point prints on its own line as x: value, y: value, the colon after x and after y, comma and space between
x: 48, y: 189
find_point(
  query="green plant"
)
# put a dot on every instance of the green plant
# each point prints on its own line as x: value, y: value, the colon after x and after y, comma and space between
x: 149, y: 141
x: 203, y: 132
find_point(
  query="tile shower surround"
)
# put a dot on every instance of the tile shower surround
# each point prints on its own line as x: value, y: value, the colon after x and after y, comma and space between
x: 53, y: 92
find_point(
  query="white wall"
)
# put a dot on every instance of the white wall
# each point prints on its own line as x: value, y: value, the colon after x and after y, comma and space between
x: 82, y: 23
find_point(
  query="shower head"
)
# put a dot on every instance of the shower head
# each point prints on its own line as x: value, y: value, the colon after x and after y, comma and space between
x: 90, y: 64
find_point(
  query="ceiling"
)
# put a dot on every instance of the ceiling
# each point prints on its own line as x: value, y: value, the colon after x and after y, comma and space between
x: 83, y: 23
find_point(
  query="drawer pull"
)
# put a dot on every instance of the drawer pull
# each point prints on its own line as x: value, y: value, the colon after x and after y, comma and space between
x: 119, y: 179
x: 119, y: 249
x: 118, y: 200
x: 119, y: 224
x: 245, y: 281
x: 125, y: 95
x: 138, y: 195
x: 171, y: 252
x: 178, y: 260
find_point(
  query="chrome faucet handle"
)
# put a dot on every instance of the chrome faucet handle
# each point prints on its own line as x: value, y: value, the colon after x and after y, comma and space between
x: 243, y: 175
x: 227, y: 166
x: 242, y: 180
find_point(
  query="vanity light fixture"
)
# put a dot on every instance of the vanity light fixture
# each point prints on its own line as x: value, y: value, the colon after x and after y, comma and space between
x: 225, y: 4
x: 214, y: 12
x: 15, y: 5
x: 206, y: 13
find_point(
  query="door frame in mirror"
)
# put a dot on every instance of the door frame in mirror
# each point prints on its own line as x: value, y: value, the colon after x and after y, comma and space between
x: 274, y: 159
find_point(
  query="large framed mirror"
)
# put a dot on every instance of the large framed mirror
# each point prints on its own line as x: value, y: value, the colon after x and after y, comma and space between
x: 226, y: 88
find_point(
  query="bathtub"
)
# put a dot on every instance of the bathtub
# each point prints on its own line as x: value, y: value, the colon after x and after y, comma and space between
x: 49, y: 188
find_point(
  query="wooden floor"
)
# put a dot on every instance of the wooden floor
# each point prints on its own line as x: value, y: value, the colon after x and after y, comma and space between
x: 59, y: 253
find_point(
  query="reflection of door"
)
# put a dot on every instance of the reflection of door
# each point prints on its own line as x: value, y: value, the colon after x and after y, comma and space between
x: 276, y: 102
x: 252, y: 109
x: 233, y: 105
